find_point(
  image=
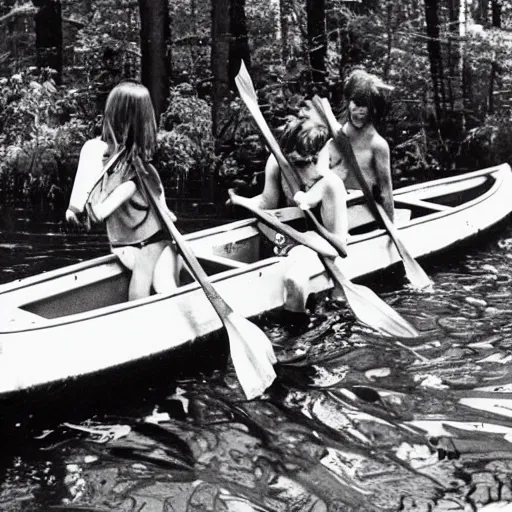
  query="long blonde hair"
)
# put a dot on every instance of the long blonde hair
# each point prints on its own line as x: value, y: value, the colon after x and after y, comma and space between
x: 129, y: 120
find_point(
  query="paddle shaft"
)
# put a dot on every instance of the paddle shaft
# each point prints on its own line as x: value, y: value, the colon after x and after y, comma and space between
x: 267, y: 218
x: 345, y: 148
x: 218, y: 303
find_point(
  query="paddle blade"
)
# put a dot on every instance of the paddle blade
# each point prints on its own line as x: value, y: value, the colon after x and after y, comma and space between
x: 252, y: 354
x: 415, y: 274
x: 369, y: 309
x: 248, y: 94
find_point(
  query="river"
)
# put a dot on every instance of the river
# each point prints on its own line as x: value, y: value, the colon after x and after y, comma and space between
x: 359, y: 423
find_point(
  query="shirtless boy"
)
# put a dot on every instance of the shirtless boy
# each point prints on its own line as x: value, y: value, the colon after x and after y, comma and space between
x: 364, y: 94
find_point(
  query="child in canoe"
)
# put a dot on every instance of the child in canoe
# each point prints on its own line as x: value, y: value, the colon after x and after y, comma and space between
x: 322, y: 191
x: 108, y: 188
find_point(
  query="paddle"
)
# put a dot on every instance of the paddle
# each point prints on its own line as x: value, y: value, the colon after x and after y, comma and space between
x: 248, y: 94
x: 309, y: 239
x: 365, y: 304
x: 416, y: 275
x: 251, y: 350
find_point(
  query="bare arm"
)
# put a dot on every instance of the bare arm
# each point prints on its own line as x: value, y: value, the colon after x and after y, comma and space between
x: 269, y: 198
x: 315, y: 195
x: 331, y: 193
x: 334, y: 206
x: 90, y: 166
x: 383, y: 173
x: 119, y: 196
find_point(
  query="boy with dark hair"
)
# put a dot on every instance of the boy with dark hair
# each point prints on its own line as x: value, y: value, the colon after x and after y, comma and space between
x: 366, y: 107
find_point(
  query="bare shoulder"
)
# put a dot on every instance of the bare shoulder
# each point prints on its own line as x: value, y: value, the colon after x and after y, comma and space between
x: 94, y: 145
x: 379, y: 143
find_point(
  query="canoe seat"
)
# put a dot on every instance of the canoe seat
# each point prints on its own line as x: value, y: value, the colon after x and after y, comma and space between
x: 422, y: 204
x: 402, y: 216
x: 219, y: 260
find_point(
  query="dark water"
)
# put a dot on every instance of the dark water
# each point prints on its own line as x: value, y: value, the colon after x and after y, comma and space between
x: 355, y: 422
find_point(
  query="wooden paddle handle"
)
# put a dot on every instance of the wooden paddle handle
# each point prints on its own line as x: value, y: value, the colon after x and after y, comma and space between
x: 218, y: 303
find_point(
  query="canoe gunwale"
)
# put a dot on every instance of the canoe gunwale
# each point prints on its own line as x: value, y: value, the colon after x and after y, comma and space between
x: 436, y: 215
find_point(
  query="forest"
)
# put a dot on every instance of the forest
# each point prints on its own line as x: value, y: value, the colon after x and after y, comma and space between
x: 448, y: 61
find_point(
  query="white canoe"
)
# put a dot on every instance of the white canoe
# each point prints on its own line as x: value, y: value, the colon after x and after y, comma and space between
x: 76, y: 321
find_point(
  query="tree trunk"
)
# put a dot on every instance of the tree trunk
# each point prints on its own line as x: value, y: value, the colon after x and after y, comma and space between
x: 239, y: 41
x: 317, y: 39
x: 465, y: 66
x: 389, y: 39
x: 48, y: 28
x: 155, y: 50
x: 434, y: 54
x: 221, y: 16
x: 285, y: 11
x: 482, y: 12
x: 496, y: 13
x: 454, y: 64
x: 220, y: 41
x: 492, y: 81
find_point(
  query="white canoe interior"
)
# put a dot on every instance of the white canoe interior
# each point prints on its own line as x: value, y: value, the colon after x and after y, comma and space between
x: 73, y: 313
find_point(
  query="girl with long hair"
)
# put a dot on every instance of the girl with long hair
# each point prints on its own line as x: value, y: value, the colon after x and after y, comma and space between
x: 111, y: 192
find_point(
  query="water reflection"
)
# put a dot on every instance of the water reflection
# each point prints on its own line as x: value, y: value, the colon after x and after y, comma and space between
x: 355, y: 421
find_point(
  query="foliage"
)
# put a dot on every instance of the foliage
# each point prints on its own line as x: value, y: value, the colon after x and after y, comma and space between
x: 43, y: 126
x: 40, y: 136
x: 186, y: 144
x: 489, y: 144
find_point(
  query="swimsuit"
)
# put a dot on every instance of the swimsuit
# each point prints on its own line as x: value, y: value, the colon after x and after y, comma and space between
x: 133, y: 223
x: 159, y: 236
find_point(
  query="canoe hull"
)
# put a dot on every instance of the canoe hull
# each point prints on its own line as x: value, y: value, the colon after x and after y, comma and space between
x: 39, y: 346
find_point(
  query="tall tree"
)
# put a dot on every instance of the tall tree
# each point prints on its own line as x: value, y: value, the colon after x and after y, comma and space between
x: 155, y: 50
x: 48, y: 28
x: 238, y: 40
x: 481, y: 12
x: 285, y: 12
x: 496, y: 13
x: 454, y: 51
x: 434, y: 54
x: 317, y: 39
x: 221, y: 21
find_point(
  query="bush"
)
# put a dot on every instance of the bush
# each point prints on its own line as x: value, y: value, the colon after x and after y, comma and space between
x: 186, y: 149
x: 489, y: 144
x: 40, y: 137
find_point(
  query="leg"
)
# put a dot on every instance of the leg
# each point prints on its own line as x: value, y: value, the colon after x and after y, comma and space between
x: 167, y: 271
x: 296, y: 278
x: 142, y: 274
x: 127, y: 255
